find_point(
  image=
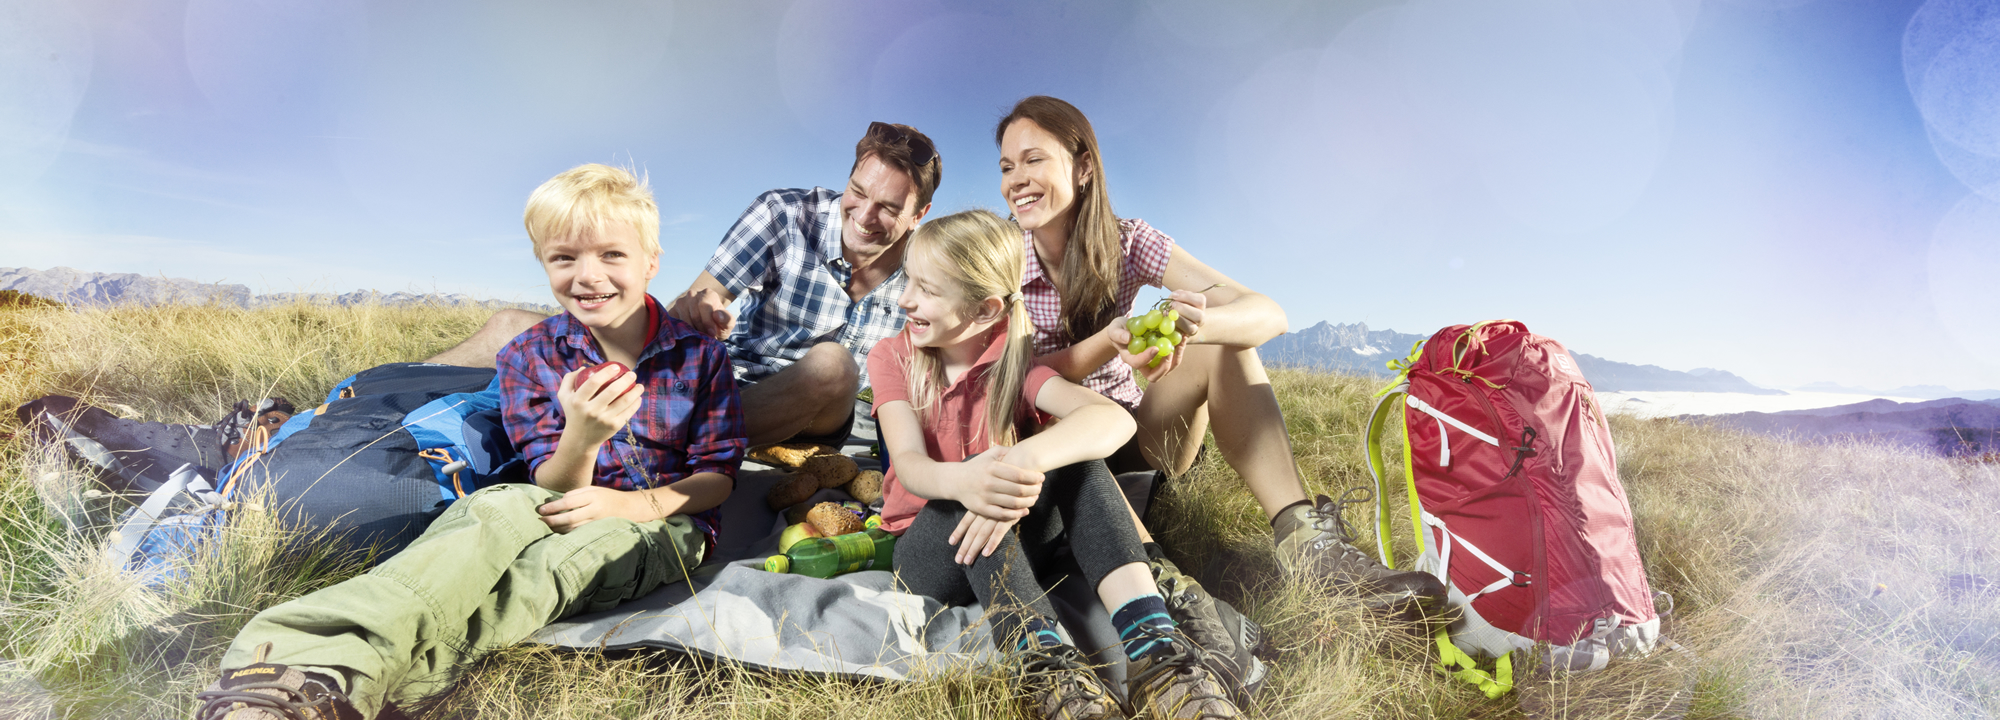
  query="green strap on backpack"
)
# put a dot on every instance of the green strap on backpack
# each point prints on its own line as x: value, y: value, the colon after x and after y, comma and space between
x: 1453, y: 661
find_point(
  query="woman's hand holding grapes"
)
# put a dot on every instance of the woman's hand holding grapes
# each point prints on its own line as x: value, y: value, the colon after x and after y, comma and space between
x: 1154, y: 342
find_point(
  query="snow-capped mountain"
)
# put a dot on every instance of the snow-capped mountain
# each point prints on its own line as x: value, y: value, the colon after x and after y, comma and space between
x: 1355, y: 348
x: 91, y: 289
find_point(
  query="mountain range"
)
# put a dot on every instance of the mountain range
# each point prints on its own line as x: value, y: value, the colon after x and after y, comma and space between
x: 1354, y: 348
x: 91, y: 289
x: 1948, y: 426
x: 1926, y: 392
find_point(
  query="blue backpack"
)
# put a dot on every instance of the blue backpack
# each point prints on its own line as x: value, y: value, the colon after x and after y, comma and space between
x: 390, y: 448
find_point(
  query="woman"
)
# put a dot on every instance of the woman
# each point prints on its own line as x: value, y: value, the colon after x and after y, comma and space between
x: 1084, y: 267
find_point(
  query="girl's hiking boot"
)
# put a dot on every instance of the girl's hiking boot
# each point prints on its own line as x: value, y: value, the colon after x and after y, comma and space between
x: 1058, y: 684
x: 1171, y: 683
x: 269, y: 691
x: 1314, y: 539
x: 1233, y: 646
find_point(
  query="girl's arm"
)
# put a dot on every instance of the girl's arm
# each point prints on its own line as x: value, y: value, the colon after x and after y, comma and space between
x: 983, y: 484
x: 1092, y: 427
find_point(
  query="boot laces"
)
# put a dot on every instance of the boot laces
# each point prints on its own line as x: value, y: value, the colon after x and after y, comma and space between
x: 1174, y: 661
x: 294, y: 705
x: 1329, y: 515
x: 1062, y: 671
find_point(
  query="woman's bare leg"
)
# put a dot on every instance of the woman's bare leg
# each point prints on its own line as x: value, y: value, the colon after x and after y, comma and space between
x: 1227, y: 386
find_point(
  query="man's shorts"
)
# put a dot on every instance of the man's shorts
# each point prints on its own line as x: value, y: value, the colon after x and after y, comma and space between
x: 835, y: 439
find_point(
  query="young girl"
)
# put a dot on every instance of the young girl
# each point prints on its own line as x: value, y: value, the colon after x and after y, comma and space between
x: 979, y: 503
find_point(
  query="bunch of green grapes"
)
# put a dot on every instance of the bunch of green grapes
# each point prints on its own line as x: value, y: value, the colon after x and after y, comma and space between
x: 1155, y: 329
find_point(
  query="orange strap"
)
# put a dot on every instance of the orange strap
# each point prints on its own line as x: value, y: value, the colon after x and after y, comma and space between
x: 443, y: 458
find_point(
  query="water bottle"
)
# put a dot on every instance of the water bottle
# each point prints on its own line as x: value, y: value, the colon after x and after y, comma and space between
x: 825, y: 557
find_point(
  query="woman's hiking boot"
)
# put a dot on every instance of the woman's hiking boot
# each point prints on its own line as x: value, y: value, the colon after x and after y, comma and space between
x: 1314, y: 539
x: 1170, y: 682
x: 1233, y: 647
x: 1058, y: 684
x: 269, y: 691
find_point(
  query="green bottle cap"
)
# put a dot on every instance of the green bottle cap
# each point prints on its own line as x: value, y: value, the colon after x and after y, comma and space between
x: 778, y: 564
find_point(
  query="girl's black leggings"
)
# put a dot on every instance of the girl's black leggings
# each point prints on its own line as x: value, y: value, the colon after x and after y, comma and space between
x: 1080, y: 506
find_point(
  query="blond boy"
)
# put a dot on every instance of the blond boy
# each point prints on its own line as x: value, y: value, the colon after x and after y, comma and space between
x: 623, y: 500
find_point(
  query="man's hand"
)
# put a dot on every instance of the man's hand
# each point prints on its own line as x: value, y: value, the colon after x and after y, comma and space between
x: 706, y: 310
x: 593, y: 502
x: 977, y: 537
x: 595, y: 411
x: 995, y: 489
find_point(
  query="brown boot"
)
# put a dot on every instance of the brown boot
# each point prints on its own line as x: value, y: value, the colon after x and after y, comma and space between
x: 268, y: 691
x: 1233, y: 647
x: 1315, y: 540
x: 1171, y: 683
x: 1057, y: 684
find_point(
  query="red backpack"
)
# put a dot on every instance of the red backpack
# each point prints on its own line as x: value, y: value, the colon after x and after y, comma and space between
x: 1514, y: 491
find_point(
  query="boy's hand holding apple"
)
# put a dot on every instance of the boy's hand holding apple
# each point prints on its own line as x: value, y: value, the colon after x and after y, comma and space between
x: 597, y: 401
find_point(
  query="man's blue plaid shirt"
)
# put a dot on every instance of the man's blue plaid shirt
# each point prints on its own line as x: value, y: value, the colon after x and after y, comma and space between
x: 783, y: 260
x: 691, y: 420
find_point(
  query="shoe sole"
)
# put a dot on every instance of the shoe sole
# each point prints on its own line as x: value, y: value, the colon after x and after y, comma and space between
x: 1428, y: 610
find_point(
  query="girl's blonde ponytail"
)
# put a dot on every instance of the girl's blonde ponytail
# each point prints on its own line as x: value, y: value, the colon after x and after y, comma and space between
x: 1009, y: 374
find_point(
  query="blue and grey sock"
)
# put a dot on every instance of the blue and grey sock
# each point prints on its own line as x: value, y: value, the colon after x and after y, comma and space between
x: 1038, y: 632
x: 1138, y: 613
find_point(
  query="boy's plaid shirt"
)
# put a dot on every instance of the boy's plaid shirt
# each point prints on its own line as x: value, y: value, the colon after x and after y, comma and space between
x: 783, y: 260
x: 690, y: 421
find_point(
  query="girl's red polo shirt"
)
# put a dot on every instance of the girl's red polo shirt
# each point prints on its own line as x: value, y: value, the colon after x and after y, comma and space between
x: 955, y: 432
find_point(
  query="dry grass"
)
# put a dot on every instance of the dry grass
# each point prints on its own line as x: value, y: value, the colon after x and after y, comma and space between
x: 1811, y: 581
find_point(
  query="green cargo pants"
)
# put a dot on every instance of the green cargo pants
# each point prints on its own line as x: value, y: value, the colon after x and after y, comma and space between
x: 487, y: 574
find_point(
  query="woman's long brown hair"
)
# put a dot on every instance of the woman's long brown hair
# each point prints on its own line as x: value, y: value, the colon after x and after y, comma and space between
x: 1088, y: 282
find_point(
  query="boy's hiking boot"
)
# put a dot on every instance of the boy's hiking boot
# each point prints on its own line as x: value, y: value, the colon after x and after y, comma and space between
x: 1058, y: 684
x: 1171, y: 683
x: 1315, y: 540
x: 268, y: 691
x: 1233, y: 646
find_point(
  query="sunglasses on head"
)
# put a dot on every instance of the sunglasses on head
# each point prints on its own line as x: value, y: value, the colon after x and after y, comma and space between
x: 921, y: 151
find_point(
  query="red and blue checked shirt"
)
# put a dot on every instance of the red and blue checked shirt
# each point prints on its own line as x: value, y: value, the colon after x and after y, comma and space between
x: 1145, y: 263
x: 783, y: 260
x: 690, y: 421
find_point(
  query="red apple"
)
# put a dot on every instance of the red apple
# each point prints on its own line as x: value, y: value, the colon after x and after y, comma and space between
x: 618, y: 369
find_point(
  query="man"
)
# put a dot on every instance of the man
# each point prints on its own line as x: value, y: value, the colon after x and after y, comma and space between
x: 818, y: 272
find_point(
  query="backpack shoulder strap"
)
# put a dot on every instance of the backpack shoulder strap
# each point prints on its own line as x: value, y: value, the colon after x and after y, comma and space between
x: 1387, y: 402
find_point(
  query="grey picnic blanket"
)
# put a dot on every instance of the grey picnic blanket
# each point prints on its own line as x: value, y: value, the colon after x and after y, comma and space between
x: 855, y: 625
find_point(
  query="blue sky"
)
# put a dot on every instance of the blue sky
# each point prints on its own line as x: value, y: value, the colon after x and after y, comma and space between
x: 1792, y: 190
